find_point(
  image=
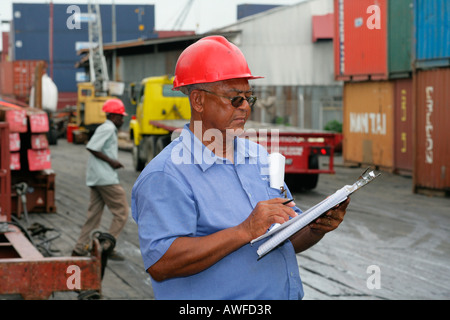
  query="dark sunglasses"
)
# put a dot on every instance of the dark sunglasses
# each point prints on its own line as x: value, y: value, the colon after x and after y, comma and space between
x: 235, y: 101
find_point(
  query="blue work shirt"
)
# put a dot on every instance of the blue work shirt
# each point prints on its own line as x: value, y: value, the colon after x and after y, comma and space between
x: 187, y: 191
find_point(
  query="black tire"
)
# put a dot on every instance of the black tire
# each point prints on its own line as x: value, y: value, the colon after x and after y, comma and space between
x: 149, y: 147
x: 52, y: 136
x: 311, y: 180
x: 299, y: 182
x: 138, y: 164
x: 161, y: 143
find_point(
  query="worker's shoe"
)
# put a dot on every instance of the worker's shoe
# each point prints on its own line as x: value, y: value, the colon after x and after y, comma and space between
x: 114, y: 255
x: 76, y: 254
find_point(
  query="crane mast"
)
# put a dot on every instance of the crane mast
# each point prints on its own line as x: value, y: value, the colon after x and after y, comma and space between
x: 97, y: 62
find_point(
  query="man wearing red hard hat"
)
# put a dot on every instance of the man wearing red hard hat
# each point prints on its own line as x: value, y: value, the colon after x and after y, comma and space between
x: 201, y: 201
x: 103, y: 180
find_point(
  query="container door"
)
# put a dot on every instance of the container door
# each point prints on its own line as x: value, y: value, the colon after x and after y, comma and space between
x: 403, y: 133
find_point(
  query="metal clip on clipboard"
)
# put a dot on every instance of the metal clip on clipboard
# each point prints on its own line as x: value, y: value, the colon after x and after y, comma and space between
x: 363, y: 180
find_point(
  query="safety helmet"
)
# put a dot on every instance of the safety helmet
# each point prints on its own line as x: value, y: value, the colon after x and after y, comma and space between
x: 114, y: 106
x: 210, y: 59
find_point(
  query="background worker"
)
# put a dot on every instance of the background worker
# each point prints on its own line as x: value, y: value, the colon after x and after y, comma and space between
x: 103, y: 180
x: 201, y: 201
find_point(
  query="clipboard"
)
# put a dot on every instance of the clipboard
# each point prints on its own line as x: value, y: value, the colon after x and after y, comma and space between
x: 284, y: 231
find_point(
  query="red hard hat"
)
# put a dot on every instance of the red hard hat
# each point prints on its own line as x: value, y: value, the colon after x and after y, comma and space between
x: 114, y: 106
x: 210, y: 59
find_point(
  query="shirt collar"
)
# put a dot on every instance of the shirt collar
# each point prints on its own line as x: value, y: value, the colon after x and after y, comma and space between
x: 109, y: 122
x: 205, y: 158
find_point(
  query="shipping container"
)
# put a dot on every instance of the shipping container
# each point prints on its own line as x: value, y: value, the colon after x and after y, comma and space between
x: 432, y: 33
x: 403, y: 126
x: 432, y: 119
x: 245, y: 10
x: 368, y: 124
x: 5, y: 47
x: 5, y: 173
x: 372, y: 39
x: 400, y: 37
x: 31, y: 37
x: 6, y: 79
x: 23, y: 78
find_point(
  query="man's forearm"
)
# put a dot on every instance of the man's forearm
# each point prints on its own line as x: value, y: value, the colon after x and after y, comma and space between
x: 305, y: 239
x: 190, y: 255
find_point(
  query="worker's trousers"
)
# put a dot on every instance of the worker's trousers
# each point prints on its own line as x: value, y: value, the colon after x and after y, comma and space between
x: 115, y: 198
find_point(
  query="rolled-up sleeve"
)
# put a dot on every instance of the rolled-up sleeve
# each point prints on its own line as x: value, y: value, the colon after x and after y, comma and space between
x: 164, y: 209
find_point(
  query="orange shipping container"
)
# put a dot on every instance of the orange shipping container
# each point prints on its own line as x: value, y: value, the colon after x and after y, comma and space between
x: 432, y: 143
x: 368, y: 123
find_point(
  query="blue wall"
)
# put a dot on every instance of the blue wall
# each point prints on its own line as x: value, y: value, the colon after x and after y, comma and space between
x: 31, y: 29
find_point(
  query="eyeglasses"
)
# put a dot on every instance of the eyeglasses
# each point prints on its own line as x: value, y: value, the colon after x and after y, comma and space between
x: 235, y: 101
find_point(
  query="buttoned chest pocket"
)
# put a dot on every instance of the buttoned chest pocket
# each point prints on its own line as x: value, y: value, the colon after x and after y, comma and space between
x: 274, y: 193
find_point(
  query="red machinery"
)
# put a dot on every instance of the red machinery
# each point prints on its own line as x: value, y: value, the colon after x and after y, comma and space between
x: 23, y: 268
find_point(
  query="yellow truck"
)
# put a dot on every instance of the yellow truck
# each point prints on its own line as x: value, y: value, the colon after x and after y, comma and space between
x: 89, y: 113
x: 154, y: 100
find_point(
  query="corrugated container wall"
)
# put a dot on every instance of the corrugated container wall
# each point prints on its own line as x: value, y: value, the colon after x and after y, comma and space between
x: 368, y: 123
x: 403, y: 126
x: 360, y: 39
x: 364, y: 47
x: 432, y: 33
x: 432, y: 143
x: 31, y: 35
x: 16, y: 78
x: 400, y: 31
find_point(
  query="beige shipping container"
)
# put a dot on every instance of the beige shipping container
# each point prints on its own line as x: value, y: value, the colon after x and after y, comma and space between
x: 368, y: 124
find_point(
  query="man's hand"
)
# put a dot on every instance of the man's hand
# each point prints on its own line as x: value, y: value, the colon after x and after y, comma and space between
x: 265, y: 214
x: 331, y: 219
x: 115, y: 164
x: 314, y: 232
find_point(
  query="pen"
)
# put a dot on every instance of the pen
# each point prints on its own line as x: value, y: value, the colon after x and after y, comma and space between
x: 286, y: 202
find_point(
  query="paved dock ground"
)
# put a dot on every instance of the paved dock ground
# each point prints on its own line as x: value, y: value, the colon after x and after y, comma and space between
x: 393, y: 244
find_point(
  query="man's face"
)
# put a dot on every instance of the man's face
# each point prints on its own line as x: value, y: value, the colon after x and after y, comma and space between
x: 219, y: 113
x: 117, y: 119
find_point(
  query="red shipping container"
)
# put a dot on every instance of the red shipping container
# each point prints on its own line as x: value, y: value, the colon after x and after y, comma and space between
x: 38, y: 122
x: 39, y: 141
x: 432, y: 144
x: 14, y: 141
x: 6, y: 79
x: 17, y: 118
x: 23, y: 75
x: 360, y: 46
x: 14, y: 163
x: 39, y: 159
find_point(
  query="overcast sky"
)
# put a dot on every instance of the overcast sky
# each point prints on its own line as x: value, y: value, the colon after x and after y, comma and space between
x: 203, y: 16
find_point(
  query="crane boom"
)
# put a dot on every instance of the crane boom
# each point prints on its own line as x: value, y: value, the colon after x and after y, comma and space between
x: 97, y: 62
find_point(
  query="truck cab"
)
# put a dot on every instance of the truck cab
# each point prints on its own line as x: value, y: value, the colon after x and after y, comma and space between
x: 154, y: 100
